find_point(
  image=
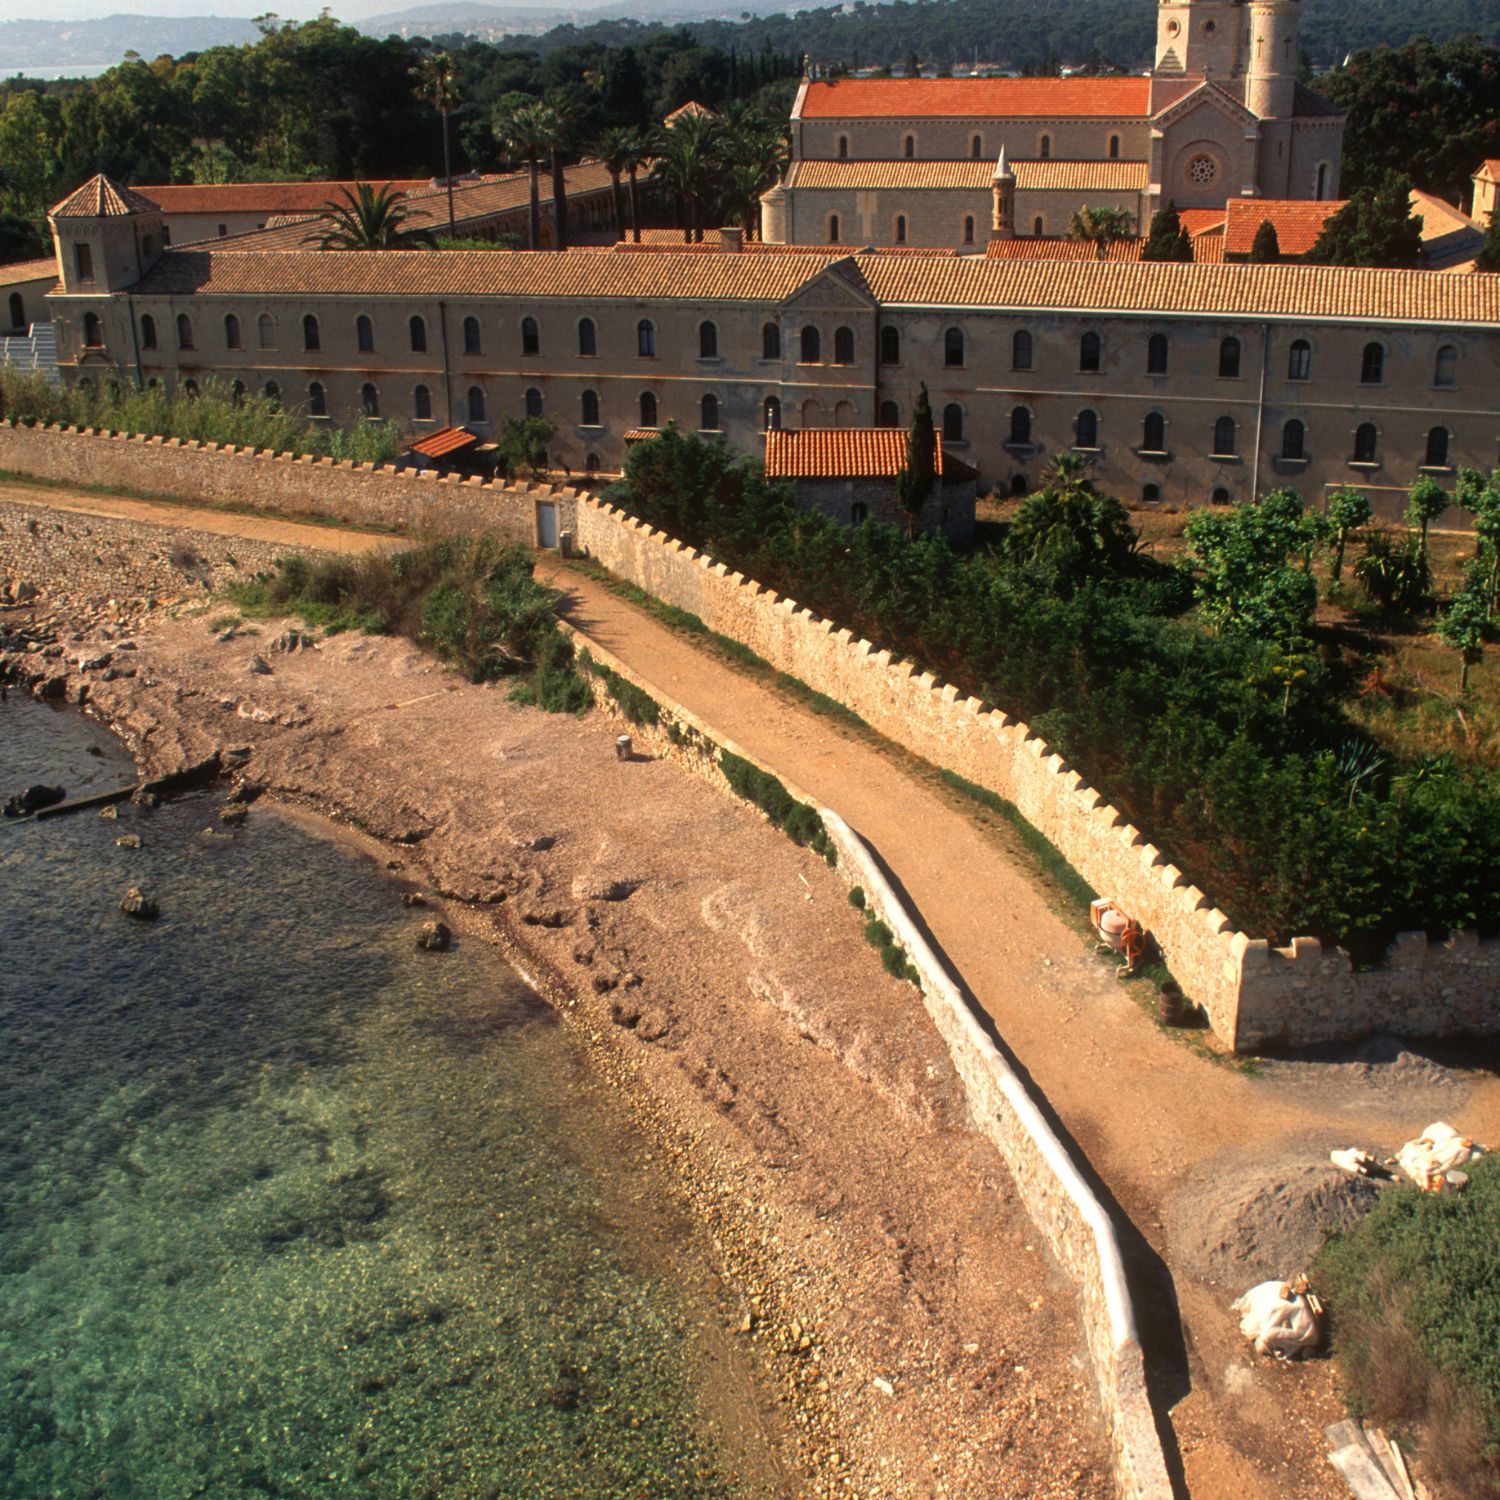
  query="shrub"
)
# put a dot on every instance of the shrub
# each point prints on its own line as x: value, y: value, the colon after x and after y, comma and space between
x: 801, y: 823
x: 638, y: 706
x: 857, y: 898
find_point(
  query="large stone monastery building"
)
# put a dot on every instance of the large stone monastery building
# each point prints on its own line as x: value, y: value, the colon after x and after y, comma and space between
x: 922, y: 161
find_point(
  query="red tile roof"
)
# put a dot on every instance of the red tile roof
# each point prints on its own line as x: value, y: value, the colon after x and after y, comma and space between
x: 1042, y: 247
x: 839, y: 453
x: 444, y: 441
x: 1201, y: 220
x: 29, y: 270
x: 102, y: 197
x: 977, y: 98
x: 263, y: 197
x: 1298, y: 222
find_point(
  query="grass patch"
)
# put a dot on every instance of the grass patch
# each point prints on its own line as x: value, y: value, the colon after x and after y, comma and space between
x: 472, y: 600
x: 1414, y: 1288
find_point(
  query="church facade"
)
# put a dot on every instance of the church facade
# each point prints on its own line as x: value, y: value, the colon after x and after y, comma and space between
x: 1221, y: 116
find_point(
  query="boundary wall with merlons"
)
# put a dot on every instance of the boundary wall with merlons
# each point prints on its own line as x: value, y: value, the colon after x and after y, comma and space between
x: 1253, y: 993
x: 411, y: 500
x: 1052, y: 1190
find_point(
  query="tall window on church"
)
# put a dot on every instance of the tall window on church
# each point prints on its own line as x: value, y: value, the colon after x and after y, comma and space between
x: 909, y: 147
x: 1021, y: 350
x: 1044, y: 147
x: 833, y: 229
x: 1114, y: 148
x: 968, y: 229
x: 1320, y: 191
x: 1156, y: 354
x: 976, y: 147
x: 890, y: 345
x: 1038, y: 226
x: 900, y: 229
x: 843, y: 148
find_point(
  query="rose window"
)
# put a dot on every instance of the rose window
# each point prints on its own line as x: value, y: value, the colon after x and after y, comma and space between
x: 1202, y: 170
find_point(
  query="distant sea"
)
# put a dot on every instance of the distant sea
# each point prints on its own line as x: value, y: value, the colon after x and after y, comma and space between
x: 289, y: 1208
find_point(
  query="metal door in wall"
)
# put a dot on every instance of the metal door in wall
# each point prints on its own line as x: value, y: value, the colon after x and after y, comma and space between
x: 546, y: 523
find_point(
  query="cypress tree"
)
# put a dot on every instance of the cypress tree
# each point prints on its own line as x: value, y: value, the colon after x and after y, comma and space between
x: 918, y: 479
x: 1167, y: 239
x: 1266, y: 249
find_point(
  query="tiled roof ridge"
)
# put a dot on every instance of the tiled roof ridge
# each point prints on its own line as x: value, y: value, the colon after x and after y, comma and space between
x: 101, y: 197
x: 963, y: 98
x: 838, y: 453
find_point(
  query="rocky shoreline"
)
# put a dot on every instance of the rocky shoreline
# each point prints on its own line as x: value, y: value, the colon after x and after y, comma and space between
x: 917, y: 1340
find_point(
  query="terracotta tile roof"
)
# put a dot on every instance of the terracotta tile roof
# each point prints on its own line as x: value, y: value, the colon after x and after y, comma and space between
x: 1208, y: 248
x: 839, y: 453
x: 1298, y: 222
x: 444, y: 441
x: 102, y: 197
x: 640, y: 434
x: 497, y: 273
x: 1223, y: 290
x: 689, y: 111
x: 259, y: 197
x: 1440, y: 218
x: 976, y: 98
x: 1202, y: 220
x: 1042, y: 247
x: 28, y: 270
x: 978, y: 176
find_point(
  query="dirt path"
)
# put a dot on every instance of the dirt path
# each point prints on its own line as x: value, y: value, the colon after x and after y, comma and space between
x: 1150, y: 1114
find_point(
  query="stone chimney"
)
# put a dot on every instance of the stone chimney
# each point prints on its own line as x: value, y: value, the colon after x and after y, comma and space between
x: 731, y: 239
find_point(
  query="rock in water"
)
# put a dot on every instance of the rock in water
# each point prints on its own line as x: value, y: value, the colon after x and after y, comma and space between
x: 128, y: 841
x: 434, y: 936
x: 34, y: 797
x: 139, y: 905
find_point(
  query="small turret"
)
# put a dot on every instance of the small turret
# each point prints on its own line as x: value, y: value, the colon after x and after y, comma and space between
x: 1003, y: 217
x: 107, y: 236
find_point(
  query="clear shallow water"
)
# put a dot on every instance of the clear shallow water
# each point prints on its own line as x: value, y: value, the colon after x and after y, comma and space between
x: 288, y: 1208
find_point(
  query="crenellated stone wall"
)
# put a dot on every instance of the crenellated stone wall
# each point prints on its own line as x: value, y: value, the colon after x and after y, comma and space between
x: 409, y: 500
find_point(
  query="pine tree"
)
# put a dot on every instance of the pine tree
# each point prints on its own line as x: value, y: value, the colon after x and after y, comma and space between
x: 1266, y: 249
x: 1167, y: 239
x: 916, y: 482
x: 1376, y: 227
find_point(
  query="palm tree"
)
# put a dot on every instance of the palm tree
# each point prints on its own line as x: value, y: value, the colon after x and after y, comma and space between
x: 369, y: 219
x: 437, y: 83
x: 559, y: 122
x: 689, y: 158
x: 753, y: 157
x: 643, y: 151
x: 618, y: 149
x: 521, y: 130
x: 1101, y: 225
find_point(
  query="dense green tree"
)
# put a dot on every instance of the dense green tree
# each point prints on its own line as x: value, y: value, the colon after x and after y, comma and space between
x: 521, y: 127
x: 689, y: 161
x: 1426, y: 502
x: 370, y: 218
x: 1167, y: 239
x: 1348, y: 510
x: 1464, y: 624
x: 1265, y: 249
x: 1376, y: 227
x: 918, y: 478
x: 1101, y: 227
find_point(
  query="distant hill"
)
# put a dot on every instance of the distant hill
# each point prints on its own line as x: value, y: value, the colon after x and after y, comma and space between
x: 491, y: 22
x: 52, y: 45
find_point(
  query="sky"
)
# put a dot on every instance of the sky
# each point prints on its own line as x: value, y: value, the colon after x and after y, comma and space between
x: 290, y: 10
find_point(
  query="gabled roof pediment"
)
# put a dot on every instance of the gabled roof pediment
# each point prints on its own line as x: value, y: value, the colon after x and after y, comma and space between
x: 839, y: 287
x: 1205, y: 96
x: 102, y: 197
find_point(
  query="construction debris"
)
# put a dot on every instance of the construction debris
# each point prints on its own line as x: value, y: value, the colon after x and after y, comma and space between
x: 1281, y: 1318
x: 1438, y: 1151
x: 1372, y: 1465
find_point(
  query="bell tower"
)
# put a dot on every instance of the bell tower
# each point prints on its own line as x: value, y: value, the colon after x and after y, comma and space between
x: 1200, y: 39
x: 1271, y: 65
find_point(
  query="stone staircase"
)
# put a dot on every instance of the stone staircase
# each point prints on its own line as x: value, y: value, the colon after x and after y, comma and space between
x: 35, y: 350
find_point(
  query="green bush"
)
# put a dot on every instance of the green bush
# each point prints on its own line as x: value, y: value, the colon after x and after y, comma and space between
x: 797, y: 820
x: 857, y: 897
x: 1414, y: 1290
x: 638, y: 706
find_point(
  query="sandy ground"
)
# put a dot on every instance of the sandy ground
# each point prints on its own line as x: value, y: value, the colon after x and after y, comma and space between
x: 916, y: 1339
x: 1154, y: 1118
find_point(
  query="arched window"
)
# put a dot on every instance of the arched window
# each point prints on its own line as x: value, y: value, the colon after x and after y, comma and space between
x: 1220, y: 496
x: 1020, y: 425
x: 1044, y: 147
x: 812, y: 345
x: 909, y: 147
x: 708, y: 413
x: 770, y: 341
x: 93, y: 332
x: 1019, y: 485
x: 421, y: 404
x: 1086, y: 429
x: 589, y: 402
x: 833, y: 229
x: 1366, y: 441
x: 843, y: 148
x: 1294, y: 440
x: 591, y: 463
x: 1229, y: 359
x: 1224, y: 438
x: 953, y: 348
x: 843, y: 346
x: 184, y: 331
x: 1090, y: 351
x: 272, y: 392
x: 953, y: 423
x: 476, y: 404
x: 1437, y: 449
x: 1154, y: 433
x: 976, y: 147
x: 1372, y: 364
x: 1299, y: 360
x: 190, y: 389
x: 531, y: 336
x: 859, y: 513
x: 148, y: 331
x: 890, y: 414
x: 771, y: 414
x: 648, y: 409
x: 317, y: 400
x: 369, y: 399
x: 364, y: 334
x: 900, y: 229
x: 1150, y: 493
x: 1156, y: 354
x: 1022, y: 350
x: 645, y: 339
x: 708, y: 341
x: 17, y: 312
x: 473, y: 339
x: 231, y: 331
x: 890, y: 345
x: 265, y: 328
x: 1114, y: 148
x: 417, y: 328
x: 588, y: 339
x: 1445, y: 369
x: 968, y: 229
x: 533, y: 400
x: 310, y: 339
x: 1039, y: 226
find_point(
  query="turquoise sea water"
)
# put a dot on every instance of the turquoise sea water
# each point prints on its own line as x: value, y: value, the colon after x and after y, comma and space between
x: 288, y: 1208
